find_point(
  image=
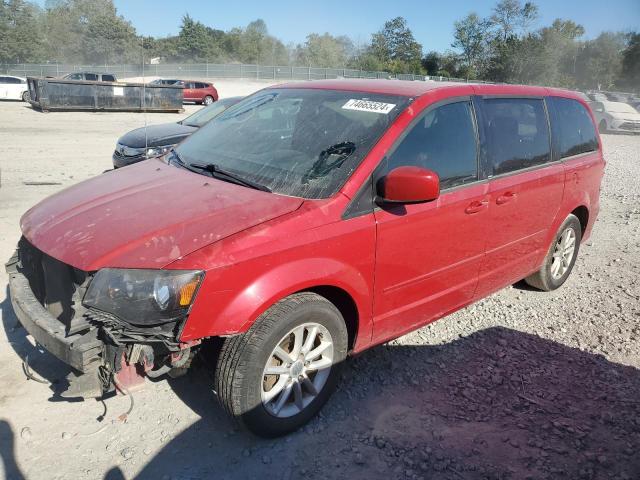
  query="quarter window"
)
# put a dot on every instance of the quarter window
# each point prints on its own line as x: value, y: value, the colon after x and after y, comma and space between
x: 517, y: 133
x: 444, y: 141
x: 108, y: 78
x: 573, y: 128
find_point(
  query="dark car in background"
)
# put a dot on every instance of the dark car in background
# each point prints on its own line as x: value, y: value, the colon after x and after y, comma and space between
x: 91, y: 77
x: 146, y: 142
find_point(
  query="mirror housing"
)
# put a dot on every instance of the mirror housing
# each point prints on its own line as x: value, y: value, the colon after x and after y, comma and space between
x: 408, y: 185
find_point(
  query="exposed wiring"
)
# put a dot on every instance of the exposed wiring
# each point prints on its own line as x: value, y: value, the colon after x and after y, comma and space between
x: 119, y: 386
x: 29, y: 374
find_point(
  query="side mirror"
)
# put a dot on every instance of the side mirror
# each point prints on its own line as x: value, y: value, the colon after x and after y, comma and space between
x: 408, y: 185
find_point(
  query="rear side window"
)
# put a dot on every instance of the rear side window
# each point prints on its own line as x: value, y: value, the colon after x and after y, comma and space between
x: 443, y: 140
x: 201, y: 85
x: 91, y: 77
x: 573, y: 128
x: 517, y: 133
x: 108, y: 78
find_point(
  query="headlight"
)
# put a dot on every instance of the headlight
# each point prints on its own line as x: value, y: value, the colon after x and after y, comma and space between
x: 157, y: 151
x: 143, y: 297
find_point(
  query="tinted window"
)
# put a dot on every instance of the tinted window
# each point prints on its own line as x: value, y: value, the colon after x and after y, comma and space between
x: 444, y: 140
x: 13, y: 80
x: 91, y: 76
x: 517, y: 133
x: 3, y: 80
x: 201, y: 85
x: 573, y: 128
x: 108, y: 78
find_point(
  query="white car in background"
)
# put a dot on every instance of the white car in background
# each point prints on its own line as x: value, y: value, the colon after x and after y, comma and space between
x: 13, y: 88
x: 616, y: 117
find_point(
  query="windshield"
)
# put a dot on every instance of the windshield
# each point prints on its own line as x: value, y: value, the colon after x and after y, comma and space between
x: 298, y: 142
x: 205, y: 114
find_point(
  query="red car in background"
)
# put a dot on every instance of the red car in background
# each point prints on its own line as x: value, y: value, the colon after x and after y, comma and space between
x: 199, y: 92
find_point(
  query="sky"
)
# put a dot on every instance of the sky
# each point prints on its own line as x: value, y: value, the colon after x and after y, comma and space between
x: 431, y: 21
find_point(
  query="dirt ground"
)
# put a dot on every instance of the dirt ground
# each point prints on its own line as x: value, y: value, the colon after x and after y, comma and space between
x: 522, y: 385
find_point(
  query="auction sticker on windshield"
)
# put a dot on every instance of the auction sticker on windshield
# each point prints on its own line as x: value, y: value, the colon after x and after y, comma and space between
x: 369, y: 106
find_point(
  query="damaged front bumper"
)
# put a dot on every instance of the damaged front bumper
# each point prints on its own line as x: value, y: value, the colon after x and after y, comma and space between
x: 102, y: 351
x: 80, y: 351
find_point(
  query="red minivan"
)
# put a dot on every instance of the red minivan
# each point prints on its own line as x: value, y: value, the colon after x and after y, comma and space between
x: 308, y: 222
x: 198, y: 92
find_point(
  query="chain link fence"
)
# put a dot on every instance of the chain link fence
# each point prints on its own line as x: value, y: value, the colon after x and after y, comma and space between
x: 202, y: 71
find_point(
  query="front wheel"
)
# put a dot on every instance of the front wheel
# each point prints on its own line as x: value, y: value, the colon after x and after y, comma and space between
x: 208, y: 100
x: 561, y: 257
x: 602, y: 126
x: 276, y: 377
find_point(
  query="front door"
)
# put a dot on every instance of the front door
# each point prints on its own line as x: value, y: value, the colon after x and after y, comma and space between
x: 428, y: 255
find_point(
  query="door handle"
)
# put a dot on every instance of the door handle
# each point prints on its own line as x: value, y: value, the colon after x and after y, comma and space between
x: 505, y: 197
x: 475, y: 206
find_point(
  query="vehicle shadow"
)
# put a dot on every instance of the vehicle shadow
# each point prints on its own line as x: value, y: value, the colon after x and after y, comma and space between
x: 499, y: 404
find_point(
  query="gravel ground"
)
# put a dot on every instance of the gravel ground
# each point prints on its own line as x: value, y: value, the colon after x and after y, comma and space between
x: 520, y: 385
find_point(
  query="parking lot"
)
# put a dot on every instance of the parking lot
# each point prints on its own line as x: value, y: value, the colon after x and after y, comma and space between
x: 523, y: 384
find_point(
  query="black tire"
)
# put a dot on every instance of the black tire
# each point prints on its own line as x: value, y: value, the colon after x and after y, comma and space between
x: 242, y: 359
x: 543, y: 278
x: 25, y: 96
x: 602, y: 126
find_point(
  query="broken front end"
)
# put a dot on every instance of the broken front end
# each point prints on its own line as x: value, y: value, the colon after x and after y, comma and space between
x: 112, y: 326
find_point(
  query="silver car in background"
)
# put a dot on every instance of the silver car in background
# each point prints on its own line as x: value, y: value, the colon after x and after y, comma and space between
x: 616, y: 117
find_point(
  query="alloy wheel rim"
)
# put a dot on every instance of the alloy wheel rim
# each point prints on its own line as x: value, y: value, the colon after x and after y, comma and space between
x: 563, y: 253
x: 297, y: 370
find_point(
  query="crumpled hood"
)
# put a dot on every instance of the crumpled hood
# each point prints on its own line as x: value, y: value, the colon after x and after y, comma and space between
x: 145, y: 216
x: 156, y: 135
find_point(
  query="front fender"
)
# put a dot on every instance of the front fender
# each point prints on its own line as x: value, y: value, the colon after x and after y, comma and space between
x: 228, y: 312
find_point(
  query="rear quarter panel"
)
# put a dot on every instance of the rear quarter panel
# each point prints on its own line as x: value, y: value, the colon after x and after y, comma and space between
x: 583, y: 177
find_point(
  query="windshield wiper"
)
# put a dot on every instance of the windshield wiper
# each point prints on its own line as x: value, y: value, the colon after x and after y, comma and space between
x: 216, y: 172
x: 322, y: 166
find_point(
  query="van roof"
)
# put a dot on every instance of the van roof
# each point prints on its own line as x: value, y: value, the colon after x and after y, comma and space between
x: 418, y: 88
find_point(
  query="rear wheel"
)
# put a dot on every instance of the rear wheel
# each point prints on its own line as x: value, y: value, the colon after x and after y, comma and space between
x: 276, y: 377
x: 561, y: 257
x: 208, y: 100
x: 25, y: 96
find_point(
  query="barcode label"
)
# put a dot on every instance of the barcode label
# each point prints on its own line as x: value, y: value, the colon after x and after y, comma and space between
x: 368, y: 106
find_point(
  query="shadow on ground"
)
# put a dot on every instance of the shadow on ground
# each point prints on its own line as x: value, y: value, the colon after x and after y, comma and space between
x: 499, y: 404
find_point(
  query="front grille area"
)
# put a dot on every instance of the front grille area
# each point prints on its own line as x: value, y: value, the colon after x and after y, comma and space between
x: 630, y: 126
x: 57, y: 286
x: 123, y: 151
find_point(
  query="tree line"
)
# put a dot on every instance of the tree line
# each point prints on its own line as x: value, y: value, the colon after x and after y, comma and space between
x: 503, y: 47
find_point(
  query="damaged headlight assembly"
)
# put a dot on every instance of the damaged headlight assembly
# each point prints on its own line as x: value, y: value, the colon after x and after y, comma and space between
x: 143, y: 297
